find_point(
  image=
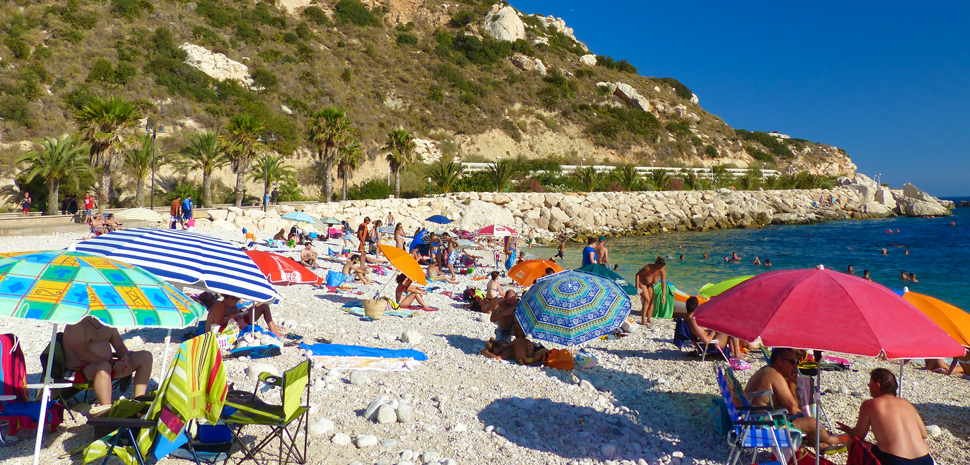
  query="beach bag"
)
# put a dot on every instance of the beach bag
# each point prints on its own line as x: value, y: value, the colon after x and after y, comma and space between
x: 559, y: 359
x: 190, y: 223
x: 374, y: 308
x: 722, y: 420
x: 335, y: 278
x: 212, y: 446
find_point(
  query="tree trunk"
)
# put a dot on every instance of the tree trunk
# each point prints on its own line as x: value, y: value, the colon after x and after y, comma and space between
x: 104, y: 189
x: 52, y: 194
x: 397, y: 183
x: 327, y: 180
x: 139, y: 193
x: 345, y: 188
x: 240, y: 183
x: 207, y: 189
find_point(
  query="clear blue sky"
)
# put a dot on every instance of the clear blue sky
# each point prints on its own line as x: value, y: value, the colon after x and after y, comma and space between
x: 889, y: 82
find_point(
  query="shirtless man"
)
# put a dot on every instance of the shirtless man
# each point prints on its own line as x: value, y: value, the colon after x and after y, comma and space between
x: 308, y: 257
x: 354, y: 270
x: 97, y: 352
x: 708, y: 336
x: 647, y: 278
x: 225, y: 310
x: 774, y: 377
x: 561, y: 250
x: 503, y: 315
x: 899, y: 430
x: 602, y: 253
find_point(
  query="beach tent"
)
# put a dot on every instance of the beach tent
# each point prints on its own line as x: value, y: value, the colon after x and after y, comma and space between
x: 418, y: 242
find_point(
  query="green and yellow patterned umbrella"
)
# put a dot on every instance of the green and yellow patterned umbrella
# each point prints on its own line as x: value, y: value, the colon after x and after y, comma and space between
x: 64, y: 287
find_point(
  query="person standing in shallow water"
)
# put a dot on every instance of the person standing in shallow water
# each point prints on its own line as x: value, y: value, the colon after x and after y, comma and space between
x: 602, y: 253
x: 646, y: 279
x: 589, y: 252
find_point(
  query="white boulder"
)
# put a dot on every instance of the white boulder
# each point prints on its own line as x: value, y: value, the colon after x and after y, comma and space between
x: 503, y: 23
x: 216, y: 65
x: 588, y: 60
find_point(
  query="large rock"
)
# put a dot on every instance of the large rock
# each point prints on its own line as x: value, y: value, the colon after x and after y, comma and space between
x: 914, y: 207
x: 503, y: 23
x: 588, y: 60
x: 478, y: 214
x: 627, y: 93
x: 216, y: 65
x: 877, y: 210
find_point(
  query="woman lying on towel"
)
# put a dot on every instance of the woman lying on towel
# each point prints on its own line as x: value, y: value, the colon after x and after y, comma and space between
x: 414, y: 293
x: 521, y: 350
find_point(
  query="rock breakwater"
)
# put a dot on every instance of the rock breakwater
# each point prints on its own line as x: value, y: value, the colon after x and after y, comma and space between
x: 612, y: 213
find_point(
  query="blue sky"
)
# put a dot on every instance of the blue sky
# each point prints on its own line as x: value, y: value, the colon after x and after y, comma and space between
x: 888, y: 82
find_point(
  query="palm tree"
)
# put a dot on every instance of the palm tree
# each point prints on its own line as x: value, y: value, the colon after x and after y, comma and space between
x: 660, y: 178
x: 106, y: 124
x: 446, y: 174
x: 691, y: 181
x: 327, y: 129
x: 138, y: 162
x: 348, y: 160
x: 57, y: 161
x: 241, y: 137
x: 501, y: 174
x: 720, y: 176
x: 627, y: 177
x: 588, y: 178
x: 270, y: 169
x: 402, y: 146
x: 206, y: 153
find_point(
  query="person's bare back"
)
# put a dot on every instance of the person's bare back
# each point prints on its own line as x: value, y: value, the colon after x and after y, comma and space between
x: 897, y: 426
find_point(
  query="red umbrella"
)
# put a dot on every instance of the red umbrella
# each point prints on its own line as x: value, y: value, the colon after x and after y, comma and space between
x: 497, y: 230
x: 826, y: 310
x: 282, y: 270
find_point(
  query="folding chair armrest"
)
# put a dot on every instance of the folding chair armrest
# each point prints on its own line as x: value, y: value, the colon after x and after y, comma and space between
x: 52, y: 385
x: 271, y: 379
x: 756, y: 394
x: 121, y: 422
x: 754, y: 423
x: 6, y: 398
x: 779, y: 412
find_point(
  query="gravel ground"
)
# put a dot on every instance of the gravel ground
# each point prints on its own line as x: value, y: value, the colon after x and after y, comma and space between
x: 651, y: 405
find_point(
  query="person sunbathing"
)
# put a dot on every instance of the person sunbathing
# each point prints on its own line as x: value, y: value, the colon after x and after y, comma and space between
x: 414, y: 293
x: 280, y: 236
x: 97, y: 225
x: 97, y: 352
x: 223, y: 311
x: 899, y: 430
x: 434, y: 274
x: 773, y: 377
x: 708, y: 336
x: 111, y: 224
x: 522, y: 351
x: 355, y: 269
x: 308, y: 257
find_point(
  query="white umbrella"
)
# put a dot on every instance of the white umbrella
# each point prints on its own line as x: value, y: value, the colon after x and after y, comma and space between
x: 139, y: 214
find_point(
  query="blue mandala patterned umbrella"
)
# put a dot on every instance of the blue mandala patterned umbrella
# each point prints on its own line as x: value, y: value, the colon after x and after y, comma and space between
x: 572, y: 307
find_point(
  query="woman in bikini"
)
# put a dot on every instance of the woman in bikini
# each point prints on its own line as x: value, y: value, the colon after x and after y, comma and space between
x: 647, y: 278
x: 493, y: 289
x: 434, y: 274
x: 414, y: 293
x: 399, y: 236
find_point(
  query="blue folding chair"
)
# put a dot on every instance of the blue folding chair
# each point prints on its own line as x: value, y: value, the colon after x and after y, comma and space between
x: 756, y: 428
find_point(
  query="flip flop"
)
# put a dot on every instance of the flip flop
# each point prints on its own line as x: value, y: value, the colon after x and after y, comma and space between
x: 294, y: 336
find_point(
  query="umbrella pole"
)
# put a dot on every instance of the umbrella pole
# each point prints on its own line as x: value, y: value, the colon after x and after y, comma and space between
x: 818, y: 398
x: 902, y: 363
x: 45, y: 396
x: 168, y: 339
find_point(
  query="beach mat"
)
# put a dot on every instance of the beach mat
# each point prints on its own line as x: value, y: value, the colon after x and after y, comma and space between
x: 342, y: 350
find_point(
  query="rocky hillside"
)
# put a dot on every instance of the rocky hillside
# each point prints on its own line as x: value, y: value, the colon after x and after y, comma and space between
x: 475, y: 79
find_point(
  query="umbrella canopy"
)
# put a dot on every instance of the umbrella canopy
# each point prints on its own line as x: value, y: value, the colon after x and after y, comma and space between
x: 330, y: 220
x: 282, y: 270
x: 572, y: 307
x: 953, y: 320
x: 304, y: 218
x: 497, y: 230
x: 600, y: 270
x: 185, y: 257
x: 139, y: 214
x: 440, y: 219
x: 405, y: 263
x: 526, y: 272
x: 711, y: 290
x: 826, y: 310
x: 64, y: 287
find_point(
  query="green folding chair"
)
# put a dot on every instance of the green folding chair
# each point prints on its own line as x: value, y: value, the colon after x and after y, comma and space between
x: 250, y: 410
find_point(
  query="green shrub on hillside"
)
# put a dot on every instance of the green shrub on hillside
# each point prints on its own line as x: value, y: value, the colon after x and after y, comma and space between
x: 265, y: 78
x: 130, y: 9
x: 610, y: 63
x: 404, y: 38
x: 759, y: 155
x: 680, y: 89
x: 780, y: 149
x: 353, y: 11
x: 511, y: 129
x: 214, y: 14
x: 374, y: 188
x: 17, y: 109
x: 436, y: 94
x: 317, y: 16
x: 454, y: 77
x: 346, y: 75
x: 480, y: 52
x: 18, y: 46
x: 205, y: 36
x: 303, y: 31
x: 711, y: 151
x: 462, y: 18
x: 681, y: 128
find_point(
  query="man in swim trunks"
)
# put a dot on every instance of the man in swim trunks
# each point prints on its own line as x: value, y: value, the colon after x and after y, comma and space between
x: 225, y: 310
x: 589, y: 252
x: 602, y: 253
x: 561, y: 251
x: 308, y: 257
x: 774, y: 377
x: 97, y: 352
x: 503, y: 315
x: 362, y: 235
x: 647, y: 278
x: 353, y: 269
x: 708, y: 336
x: 899, y: 430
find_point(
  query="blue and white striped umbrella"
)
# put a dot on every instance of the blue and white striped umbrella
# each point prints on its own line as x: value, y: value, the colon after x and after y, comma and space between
x: 185, y: 257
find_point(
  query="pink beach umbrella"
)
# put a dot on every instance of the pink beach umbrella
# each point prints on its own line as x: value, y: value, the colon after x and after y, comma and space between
x: 497, y: 230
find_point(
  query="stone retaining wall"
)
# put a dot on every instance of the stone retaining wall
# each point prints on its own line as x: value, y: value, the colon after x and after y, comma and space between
x: 610, y: 213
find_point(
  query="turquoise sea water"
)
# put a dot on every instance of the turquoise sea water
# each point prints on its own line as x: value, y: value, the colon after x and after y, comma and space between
x: 939, y: 253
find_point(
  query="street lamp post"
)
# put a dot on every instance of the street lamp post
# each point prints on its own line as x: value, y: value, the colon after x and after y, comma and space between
x: 878, y: 179
x: 429, y: 186
x: 581, y: 163
x: 266, y: 139
x: 153, y: 127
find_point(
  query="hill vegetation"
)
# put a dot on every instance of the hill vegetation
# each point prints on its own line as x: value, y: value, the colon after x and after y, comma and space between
x: 431, y: 71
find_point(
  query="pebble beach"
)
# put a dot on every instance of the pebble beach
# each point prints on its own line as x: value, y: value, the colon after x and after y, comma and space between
x: 646, y: 401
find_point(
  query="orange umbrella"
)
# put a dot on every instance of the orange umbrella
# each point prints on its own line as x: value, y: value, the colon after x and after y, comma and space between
x: 281, y: 270
x: 529, y: 271
x: 954, y: 321
x: 405, y: 263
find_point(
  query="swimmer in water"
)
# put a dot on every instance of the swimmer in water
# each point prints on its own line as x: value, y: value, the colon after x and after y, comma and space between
x: 682, y: 257
x: 884, y: 251
x: 850, y: 270
x: 907, y: 251
x: 756, y: 261
x: 912, y: 277
x: 735, y: 257
x: 902, y: 276
x: 705, y: 255
x: 768, y: 262
x: 865, y: 275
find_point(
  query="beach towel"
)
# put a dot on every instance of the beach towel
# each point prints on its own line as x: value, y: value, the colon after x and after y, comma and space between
x: 418, y: 307
x: 663, y: 309
x: 341, y: 350
x: 347, y: 357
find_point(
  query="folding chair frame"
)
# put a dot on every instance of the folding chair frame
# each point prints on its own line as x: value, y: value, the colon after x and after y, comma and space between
x: 744, y: 425
x: 128, y: 425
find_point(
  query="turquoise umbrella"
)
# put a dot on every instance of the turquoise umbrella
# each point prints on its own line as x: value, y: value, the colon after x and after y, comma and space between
x: 600, y: 270
x: 304, y: 218
x: 572, y: 307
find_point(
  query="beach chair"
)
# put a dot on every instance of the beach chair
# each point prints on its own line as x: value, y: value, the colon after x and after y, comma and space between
x: 683, y: 334
x: 243, y: 409
x: 194, y: 389
x: 755, y: 428
x: 16, y: 408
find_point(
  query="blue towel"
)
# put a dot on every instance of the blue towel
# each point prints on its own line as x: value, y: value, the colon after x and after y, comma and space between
x: 340, y: 350
x: 27, y: 409
x: 354, y: 304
